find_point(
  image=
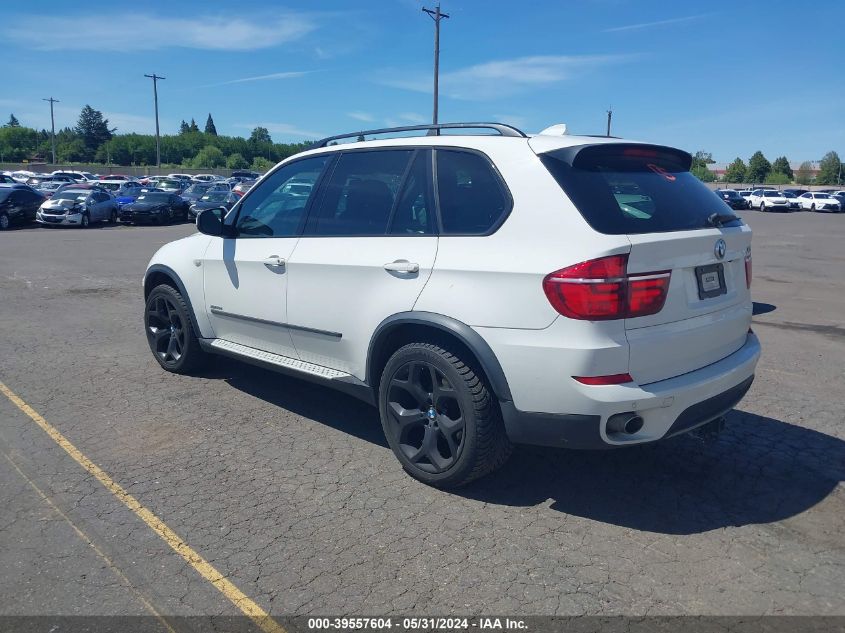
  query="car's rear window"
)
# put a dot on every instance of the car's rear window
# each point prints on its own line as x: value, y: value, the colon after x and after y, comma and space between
x: 628, y: 189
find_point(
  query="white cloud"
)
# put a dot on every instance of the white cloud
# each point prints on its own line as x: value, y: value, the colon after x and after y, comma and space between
x: 284, y: 75
x: 646, y: 25
x: 108, y: 32
x: 285, y: 129
x: 503, y: 77
x: 366, y: 117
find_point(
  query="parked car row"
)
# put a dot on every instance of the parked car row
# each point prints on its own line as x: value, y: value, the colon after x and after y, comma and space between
x: 769, y: 199
x: 80, y: 204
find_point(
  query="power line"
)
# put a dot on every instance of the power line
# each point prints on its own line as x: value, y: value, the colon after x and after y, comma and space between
x: 52, y: 126
x: 155, y: 79
x: 436, y: 15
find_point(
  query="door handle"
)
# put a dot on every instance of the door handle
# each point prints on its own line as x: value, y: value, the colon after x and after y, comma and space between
x: 402, y: 266
x: 275, y: 261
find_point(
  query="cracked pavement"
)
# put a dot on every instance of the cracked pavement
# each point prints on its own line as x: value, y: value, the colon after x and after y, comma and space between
x: 289, y: 489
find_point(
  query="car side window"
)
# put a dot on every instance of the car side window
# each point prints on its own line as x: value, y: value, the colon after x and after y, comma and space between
x: 472, y: 197
x: 276, y: 207
x: 359, y: 195
x: 414, y: 212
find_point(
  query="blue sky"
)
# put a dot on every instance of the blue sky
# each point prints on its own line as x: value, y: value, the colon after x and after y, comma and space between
x: 725, y: 77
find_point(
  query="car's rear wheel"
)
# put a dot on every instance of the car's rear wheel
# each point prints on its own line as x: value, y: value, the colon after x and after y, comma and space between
x: 439, y: 417
x: 4, y: 221
x: 170, y: 333
x: 85, y: 221
x: 762, y: 206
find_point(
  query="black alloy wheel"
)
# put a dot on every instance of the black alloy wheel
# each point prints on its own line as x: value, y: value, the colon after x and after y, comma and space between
x: 170, y: 331
x: 427, y: 421
x: 166, y: 330
x: 439, y: 417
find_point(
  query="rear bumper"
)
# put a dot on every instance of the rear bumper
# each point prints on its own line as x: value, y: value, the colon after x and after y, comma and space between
x: 668, y: 408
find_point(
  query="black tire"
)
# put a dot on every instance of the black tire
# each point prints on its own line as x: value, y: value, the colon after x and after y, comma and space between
x: 812, y: 207
x: 85, y: 221
x: 169, y: 216
x: 4, y: 221
x: 762, y: 207
x: 439, y: 417
x: 113, y: 216
x: 170, y: 333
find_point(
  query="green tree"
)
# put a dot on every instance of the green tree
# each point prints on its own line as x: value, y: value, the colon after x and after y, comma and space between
x: 209, y: 126
x: 184, y: 128
x: 93, y: 129
x: 777, y: 178
x: 73, y: 151
x: 781, y: 166
x: 13, y: 121
x: 259, y: 163
x: 702, y: 159
x: 360, y: 138
x: 702, y: 173
x: 804, y: 175
x: 209, y: 156
x: 758, y: 168
x: 236, y: 161
x: 736, y: 171
x: 193, y: 127
x: 260, y: 135
x: 830, y: 170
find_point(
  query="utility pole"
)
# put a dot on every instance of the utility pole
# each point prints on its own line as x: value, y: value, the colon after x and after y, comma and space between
x: 155, y: 79
x: 609, y: 117
x: 436, y: 15
x: 52, y: 126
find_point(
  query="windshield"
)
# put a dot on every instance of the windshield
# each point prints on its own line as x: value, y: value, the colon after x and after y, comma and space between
x: 772, y: 194
x: 199, y: 188
x: 170, y: 184
x: 217, y: 196
x: 111, y: 186
x: 629, y: 189
x: 154, y: 197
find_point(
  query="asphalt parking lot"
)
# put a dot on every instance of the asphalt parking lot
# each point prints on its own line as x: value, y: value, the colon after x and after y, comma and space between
x: 290, y: 491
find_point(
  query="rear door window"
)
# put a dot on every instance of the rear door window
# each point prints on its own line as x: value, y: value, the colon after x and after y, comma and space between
x: 628, y: 189
x: 473, y: 200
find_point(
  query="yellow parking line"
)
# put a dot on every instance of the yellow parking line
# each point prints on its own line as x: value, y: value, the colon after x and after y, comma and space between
x: 85, y: 538
x: 248, y: 607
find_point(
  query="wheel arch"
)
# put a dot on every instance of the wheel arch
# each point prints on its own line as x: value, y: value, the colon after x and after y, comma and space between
x: 405, y: 327
x: 159, y: 274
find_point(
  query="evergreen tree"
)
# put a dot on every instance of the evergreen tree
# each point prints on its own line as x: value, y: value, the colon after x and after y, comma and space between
x: 758, y: 168
x: 781, y: 166
x: 260, y: 135
x: 830, y: 170
x: 13, y: 121
x: 194, y: 127
x: 93, y: 129
x: 735, y: 171
x: 209, y: 126
x: 184, y: 128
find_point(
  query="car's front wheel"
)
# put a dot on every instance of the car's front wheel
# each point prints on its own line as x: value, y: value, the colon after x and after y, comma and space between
x: 113, y: 216
x: 4, y: 221
x: 762, y: 206
x: 85, y: 220
x: 439, y: 417
x: 170, y: 333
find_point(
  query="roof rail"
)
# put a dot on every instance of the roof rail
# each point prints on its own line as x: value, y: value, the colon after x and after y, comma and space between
x: 431, y: 130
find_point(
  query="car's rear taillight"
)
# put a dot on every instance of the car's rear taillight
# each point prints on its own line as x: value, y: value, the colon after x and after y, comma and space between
x: 602, y: 289
x: 748, y: 268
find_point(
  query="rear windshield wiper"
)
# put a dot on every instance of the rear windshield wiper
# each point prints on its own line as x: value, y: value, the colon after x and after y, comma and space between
x: 719, y: 219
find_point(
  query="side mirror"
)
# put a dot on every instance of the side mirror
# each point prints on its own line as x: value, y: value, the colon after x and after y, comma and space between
x: 210, y: 221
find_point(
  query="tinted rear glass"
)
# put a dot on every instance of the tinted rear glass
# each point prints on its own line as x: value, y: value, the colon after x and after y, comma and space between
x: 627, y: 189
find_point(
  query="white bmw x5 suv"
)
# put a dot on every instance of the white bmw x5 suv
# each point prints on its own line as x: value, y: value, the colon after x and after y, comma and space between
x: 481, y: 290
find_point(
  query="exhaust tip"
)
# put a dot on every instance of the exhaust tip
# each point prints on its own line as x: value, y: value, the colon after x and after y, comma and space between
x: 633, y: 425
x: 624, y: 423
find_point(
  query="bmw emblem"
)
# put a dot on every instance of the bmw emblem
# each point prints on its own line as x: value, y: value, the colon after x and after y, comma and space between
x: 721, y: 249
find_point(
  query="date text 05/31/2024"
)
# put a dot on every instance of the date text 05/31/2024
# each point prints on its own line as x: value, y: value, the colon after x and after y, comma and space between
x: 411, y: 624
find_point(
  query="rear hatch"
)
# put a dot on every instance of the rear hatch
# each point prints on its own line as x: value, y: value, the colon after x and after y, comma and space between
x: 675, y: 224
